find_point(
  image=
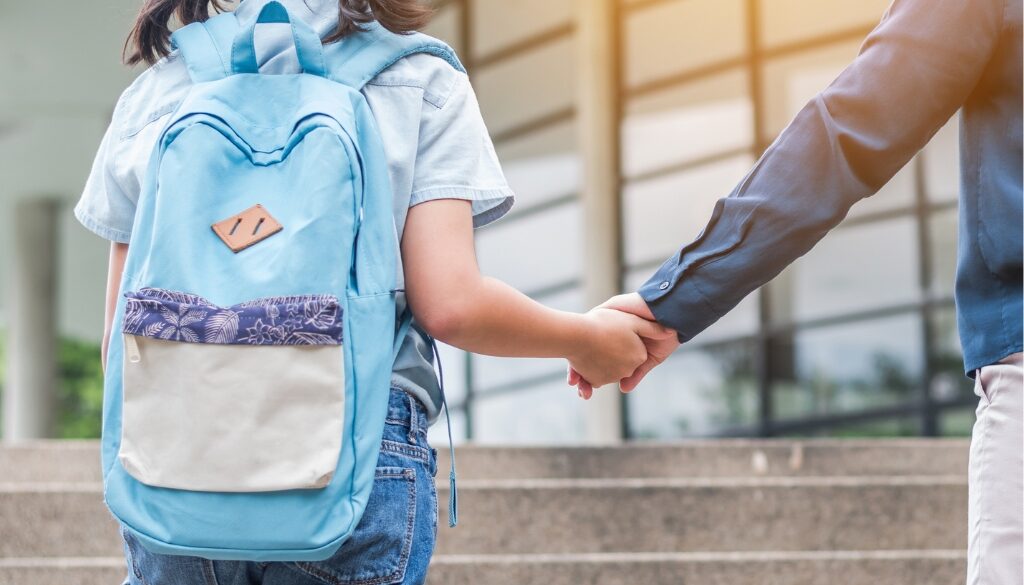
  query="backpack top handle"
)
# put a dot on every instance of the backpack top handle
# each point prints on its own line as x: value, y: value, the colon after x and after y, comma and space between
x: 308, y: 47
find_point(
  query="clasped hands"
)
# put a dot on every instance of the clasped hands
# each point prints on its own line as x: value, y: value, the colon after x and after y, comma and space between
x: 627, y: 344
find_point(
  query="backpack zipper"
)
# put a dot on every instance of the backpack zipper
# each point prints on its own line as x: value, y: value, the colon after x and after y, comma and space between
x: 131, y: 349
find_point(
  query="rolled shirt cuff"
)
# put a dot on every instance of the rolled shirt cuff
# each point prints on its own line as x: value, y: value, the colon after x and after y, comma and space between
x: 678, y: 303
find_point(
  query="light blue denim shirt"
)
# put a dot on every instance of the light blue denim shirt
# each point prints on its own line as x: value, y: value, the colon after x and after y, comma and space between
x: 925, y: 60
x: 434, y: 138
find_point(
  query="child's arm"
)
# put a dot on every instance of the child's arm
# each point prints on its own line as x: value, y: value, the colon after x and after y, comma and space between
x: 453, y: 302
x: 115, y: 266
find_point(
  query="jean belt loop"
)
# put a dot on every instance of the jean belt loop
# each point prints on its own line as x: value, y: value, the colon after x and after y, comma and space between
x: 414, y: 423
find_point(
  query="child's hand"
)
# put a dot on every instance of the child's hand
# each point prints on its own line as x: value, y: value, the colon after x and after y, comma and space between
x: 612, y: 347
x: 659, y: 347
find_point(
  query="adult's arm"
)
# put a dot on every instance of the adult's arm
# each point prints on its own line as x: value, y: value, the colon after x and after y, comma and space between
x: 912, y: 74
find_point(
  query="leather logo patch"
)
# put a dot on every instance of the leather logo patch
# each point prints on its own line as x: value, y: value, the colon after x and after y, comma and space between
x: 246, y: 228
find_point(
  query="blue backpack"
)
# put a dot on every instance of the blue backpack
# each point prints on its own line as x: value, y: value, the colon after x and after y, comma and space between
x: 245, y: 399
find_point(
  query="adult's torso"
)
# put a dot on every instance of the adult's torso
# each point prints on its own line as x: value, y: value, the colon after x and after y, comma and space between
x: 989, y: 277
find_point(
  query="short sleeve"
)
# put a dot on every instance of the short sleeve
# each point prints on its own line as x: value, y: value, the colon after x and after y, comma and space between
x: 455, y: 158
x: 107, y: 205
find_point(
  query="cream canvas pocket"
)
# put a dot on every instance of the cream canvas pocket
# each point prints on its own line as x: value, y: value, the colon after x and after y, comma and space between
x: 248, y: 398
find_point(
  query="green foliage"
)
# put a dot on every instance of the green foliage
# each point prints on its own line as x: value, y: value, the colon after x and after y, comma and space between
x: 79, y: 390
x: 79, y: 398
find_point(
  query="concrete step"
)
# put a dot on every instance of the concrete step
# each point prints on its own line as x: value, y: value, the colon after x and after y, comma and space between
x: 62, y: 571
x: 56, y: 520
x: 725, y: 514
x: 768, y: 568
x: 78, y: 461
x: 591, y: 516
x: 775, y: 568
x: 50, y: 461
x: 717, y: 458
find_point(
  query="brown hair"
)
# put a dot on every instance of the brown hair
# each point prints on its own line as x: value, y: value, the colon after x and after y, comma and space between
x: 149, y: 39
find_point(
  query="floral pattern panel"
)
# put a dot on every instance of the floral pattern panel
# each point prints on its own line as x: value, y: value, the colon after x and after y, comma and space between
x: 177, y: 316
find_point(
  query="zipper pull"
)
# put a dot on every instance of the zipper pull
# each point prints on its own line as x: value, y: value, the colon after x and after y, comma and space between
x: 453, y: 491
x: 131, y: 349
x: 453, y: 496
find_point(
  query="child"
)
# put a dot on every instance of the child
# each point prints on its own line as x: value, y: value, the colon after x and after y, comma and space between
x: 446, y: 181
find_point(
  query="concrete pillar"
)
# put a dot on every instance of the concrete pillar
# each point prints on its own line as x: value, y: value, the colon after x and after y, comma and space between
x: 31, y: 346
x: 598, y: 122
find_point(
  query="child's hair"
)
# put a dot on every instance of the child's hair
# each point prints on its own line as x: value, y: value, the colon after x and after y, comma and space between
x: 149, y: 40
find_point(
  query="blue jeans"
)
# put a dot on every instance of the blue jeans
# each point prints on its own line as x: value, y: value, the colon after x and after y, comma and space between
x: 392, y: 544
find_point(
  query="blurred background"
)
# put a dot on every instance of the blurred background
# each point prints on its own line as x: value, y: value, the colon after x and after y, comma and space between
x: 858, y: 338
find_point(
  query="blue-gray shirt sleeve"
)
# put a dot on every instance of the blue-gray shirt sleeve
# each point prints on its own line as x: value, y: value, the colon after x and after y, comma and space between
x: 912, y: 74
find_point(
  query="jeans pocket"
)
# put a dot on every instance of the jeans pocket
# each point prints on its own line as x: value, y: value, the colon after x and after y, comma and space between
x: 148, y: 568
x: 132, y: 559
x: 378, y: 551
x: 985, y: 383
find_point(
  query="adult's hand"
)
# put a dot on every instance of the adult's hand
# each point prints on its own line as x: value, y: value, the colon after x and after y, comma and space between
x: 612, y: 345
x: 658, y: 347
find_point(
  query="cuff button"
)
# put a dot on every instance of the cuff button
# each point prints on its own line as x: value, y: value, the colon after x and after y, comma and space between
x: 664, y: 285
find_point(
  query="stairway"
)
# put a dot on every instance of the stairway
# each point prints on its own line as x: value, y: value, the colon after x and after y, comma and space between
x: 881, y: 512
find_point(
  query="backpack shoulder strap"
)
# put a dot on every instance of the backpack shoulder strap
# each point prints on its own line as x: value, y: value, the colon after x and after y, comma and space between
x: 359, y: 57
x: 205, y: 46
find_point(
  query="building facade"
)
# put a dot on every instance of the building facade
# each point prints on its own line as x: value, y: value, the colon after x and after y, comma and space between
x: 856, y: 338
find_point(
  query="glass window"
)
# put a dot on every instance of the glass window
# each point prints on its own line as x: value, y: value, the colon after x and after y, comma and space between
x: 493, y: 372
x: 636, y: 277
x: 948, y: 381
x: 942, y: 163
x: 740, y: 321
x: 789, y: 21
x: 536, y: 251
x: 490, y: 372
x: 942, y: 227
x: 446, y: 25
x: 545, y: 414
x: 499, y: 23
x: 854, y: 268
x: 957, y: 422
x: 847, y: 368
x: 687, y: 123
x: 668, y: 38
x: 696, y: 392
x: 437, y: 435
x: 662, y: 214
x: 542, y: 166
x: 790, y: 82
x: 905, y: 426
x: 899, y: 193
x: 527, y: 87
x: 453, y: 360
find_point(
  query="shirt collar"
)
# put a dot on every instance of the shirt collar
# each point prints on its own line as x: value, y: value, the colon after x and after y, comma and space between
x: 321, y: 15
